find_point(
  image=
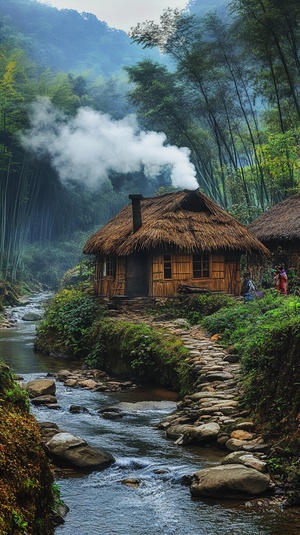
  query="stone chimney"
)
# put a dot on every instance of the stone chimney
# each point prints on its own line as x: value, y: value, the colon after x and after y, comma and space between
x: 136, y: 211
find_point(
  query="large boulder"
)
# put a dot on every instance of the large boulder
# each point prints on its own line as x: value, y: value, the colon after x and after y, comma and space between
x: 229, y: 481
x: 69, y: 450
x: 40, y: 387
x: 205, y: 433
x: 31, y: 316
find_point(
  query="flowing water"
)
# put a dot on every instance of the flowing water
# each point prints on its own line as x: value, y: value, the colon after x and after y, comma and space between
x: 100, y: 504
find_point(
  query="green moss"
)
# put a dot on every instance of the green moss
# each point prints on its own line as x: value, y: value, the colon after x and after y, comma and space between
x: 27, y: 498
x: 139, y: 351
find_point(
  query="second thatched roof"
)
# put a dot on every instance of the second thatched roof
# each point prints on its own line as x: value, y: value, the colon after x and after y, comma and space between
x: 185, y: 221
x: 279, y: 223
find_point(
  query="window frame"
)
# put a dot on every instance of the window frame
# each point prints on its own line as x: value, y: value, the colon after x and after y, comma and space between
x: 204, y: 269
x: 109, y: 266
x: 167, y: 266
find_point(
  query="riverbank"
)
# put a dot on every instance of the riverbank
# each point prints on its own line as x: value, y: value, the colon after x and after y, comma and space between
x: 212, y: 413
x: 143, y: 453
x: 27, y: 495
x: 144, y: 345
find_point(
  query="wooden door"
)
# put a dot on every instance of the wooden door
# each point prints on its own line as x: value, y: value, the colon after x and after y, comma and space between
x: 137, y: 275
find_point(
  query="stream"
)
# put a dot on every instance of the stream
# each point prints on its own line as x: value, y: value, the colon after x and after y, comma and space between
x: 100, y: 504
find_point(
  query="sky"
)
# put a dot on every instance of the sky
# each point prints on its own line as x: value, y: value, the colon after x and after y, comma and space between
x: 120, y: 14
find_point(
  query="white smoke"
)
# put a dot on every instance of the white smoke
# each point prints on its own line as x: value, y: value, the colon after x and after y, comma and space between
x: 86, y: 147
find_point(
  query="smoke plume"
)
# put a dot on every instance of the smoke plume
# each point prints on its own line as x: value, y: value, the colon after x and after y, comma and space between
x: 86, y: 147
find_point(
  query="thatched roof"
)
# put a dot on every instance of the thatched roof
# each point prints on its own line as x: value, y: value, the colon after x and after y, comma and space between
x: 279, y: 223
x: 187, y: 221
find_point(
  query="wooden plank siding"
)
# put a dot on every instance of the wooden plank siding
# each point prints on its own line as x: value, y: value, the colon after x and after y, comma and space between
x: 220, y: 278
x: 224, y: 275
x: 110, y: 285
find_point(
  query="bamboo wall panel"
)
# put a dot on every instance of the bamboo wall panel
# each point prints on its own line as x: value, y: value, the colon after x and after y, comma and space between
x: 182, y: 271
x: 224, y: 276
x: 181, y: 266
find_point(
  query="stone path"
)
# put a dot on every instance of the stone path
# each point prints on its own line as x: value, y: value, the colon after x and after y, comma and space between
x: 216, y: 394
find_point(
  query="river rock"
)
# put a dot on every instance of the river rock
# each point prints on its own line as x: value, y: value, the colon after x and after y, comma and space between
x: 177, y: 431
x: 62, y: 375
x: 207, y: 432
x: 233, y: 444
x: 40, y: 387
x: 240, y: 434
x: 48, y: 430
x: 246, y: 426
x: 247, y: 459
x: 31, y: 316
x: 90, y: 384
x: 229, y: 481
x: 69, y: 450
x: 44, y: 400
x: 112, y: 413
x: 218, y: 376
x: 71, y: 383
x: 201, y: 434
x: 77, y: 409
x: 131, y: 482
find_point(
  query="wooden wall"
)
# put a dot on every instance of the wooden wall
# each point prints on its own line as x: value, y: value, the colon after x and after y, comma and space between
x: 224, y: 275
x: 109, y: 286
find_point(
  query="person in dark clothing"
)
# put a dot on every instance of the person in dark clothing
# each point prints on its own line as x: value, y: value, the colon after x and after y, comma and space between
x: 248, y: 288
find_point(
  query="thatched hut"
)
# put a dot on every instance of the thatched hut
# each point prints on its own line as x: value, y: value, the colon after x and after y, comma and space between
x: 154, y: 246
x: 279, y: 230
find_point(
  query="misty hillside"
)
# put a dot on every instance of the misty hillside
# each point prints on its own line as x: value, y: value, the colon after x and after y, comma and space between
x: 201, y: 7
x: 65, y: 40
x: 76, y: 138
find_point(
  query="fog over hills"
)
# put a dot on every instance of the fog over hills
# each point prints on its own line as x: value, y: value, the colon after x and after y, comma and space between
x: 66, y: 40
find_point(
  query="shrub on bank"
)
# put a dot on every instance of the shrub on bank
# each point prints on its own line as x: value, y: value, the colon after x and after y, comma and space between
x: 266, y: 335
x: 75, y: 325
x: 67, y: 322
x: 27, y: 500
x: 139, y: 351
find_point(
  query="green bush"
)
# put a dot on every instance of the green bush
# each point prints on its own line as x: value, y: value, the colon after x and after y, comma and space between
x: 67, y: 323
x: 139, y: 351
x: 266, y: 335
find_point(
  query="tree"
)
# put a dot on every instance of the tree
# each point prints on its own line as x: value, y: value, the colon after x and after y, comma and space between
x: 219, y: 84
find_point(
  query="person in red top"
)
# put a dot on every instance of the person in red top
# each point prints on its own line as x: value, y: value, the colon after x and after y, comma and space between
x: 277, y: 279
x: 283, y: 281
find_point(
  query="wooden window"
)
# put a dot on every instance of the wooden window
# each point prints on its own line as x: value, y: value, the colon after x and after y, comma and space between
x: 200, y: 266
x: 109, y: 267
x: 167, y: 266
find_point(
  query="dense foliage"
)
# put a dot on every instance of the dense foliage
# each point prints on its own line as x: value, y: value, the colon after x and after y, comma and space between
x: 76, y: 326
x: 232, y: 98
x: 27, y: 498
x: 67, y: 323
x: 265, y: 334
x: 226, y: 87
